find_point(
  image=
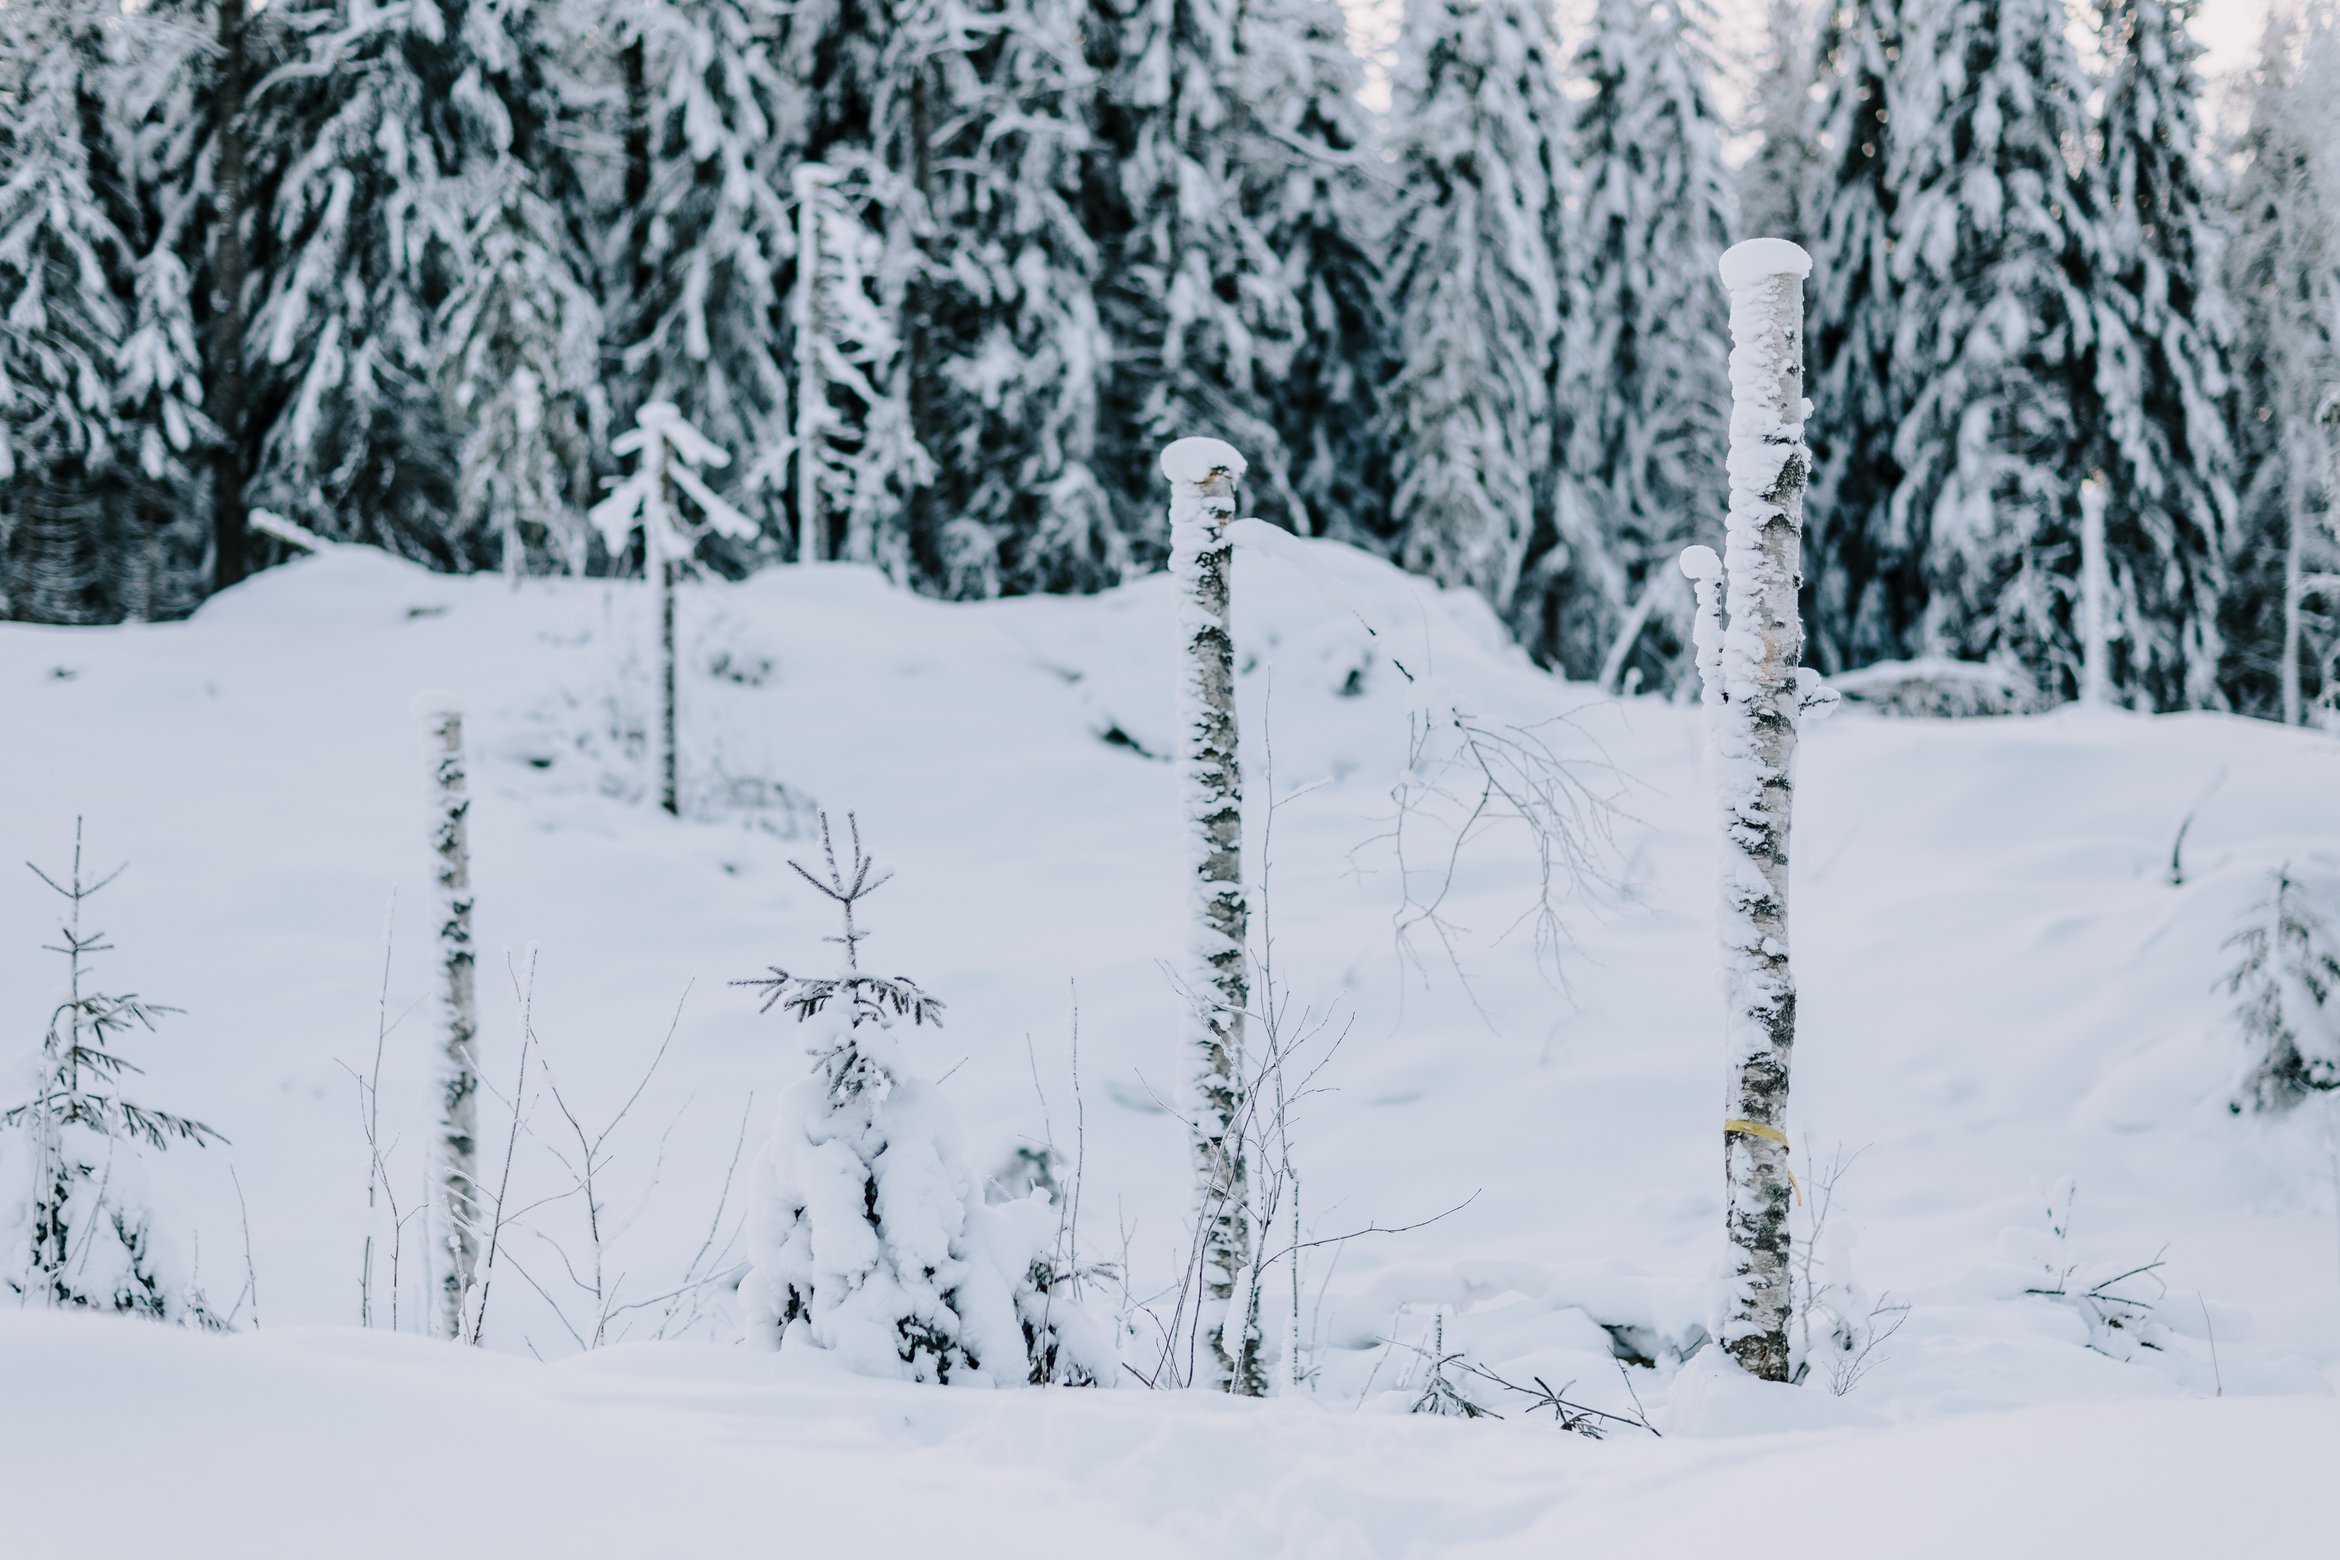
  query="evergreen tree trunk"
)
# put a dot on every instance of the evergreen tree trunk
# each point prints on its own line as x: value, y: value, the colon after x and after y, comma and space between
x: 669, y: 766
x: 1754, y: 694
x: 458, y: 1181
x: 229, y: 537
x: 1202, y: 474
x: 811, y: 390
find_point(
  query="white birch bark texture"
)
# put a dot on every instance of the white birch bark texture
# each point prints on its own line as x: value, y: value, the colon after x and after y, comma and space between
x: 1202, y: 474
x: 1754, y: 693
x: 456, y: 1187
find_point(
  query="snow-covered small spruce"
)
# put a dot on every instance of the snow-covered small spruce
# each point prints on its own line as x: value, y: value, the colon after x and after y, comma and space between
x: 2286, y: 988
x: 669, y: 451
x: 85, y: 1235
x: 1755, y: 693
x: 867, y: 1234
x: 1202, y: 474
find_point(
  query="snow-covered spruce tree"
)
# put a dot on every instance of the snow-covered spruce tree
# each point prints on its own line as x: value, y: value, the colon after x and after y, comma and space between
x: 85, y: 1234
x: 1863, y: 588
x: 520, y: 331
x: 364, y: 232
x: 1756, y: 693
x: 2163, y: 337
x: 160, y: 122
x: 1777, y: 181
x: 455, y: 1157
x: 1201, y: 322
x: 62, y: 321
x: 867, y: 1235
x: 1311, y: 173
x: 1474, y: 281
x: 987, y: 121
x: 1643, y: 389
x: 700, y: 327
x: 1202, y: 474
x: 668, y: 453
x: 2284, y: 275
x: 2286, y: 984
x: 1995, y: 342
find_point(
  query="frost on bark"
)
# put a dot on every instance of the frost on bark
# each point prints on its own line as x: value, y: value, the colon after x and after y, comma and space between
x: 1755, y: 692
x: 1202, y: 474
x: 811, y: 393
x: 456, y: 1183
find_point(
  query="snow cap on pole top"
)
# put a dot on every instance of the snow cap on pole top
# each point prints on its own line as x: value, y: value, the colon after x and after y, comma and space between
x: 1745, y: 265
x: 1196, y: 461
x: 431, y: 703
x: 1700, y: 563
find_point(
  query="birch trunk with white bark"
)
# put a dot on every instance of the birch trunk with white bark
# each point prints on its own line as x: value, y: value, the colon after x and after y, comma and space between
x: 457, y: 1178
x: 811, y: 389
x: 1202, y: 474
x: 1755, y: 693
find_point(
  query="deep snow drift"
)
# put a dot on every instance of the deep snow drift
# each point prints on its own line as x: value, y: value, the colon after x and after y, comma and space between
x: 2008, y: 1014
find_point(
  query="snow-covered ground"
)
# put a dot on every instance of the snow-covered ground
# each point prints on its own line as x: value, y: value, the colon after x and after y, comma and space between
x: 2009, y: 1027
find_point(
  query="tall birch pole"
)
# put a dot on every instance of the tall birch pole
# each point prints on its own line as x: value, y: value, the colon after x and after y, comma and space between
x: 1755, y: 692
x: 1202, y: 474
x: 812, y: 390
x: 456, y: 1183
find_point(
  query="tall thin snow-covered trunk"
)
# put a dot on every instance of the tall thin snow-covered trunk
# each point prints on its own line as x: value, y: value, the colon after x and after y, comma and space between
x: 456, y: 1181
x: 2095, y: 597
x: 1755, y: 692
x: 225, y: 392
x: 812, y: 391
x: 1202, y: 474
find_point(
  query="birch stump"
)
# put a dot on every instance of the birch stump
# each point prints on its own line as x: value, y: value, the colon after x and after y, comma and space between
x: 1202, y: 474
x: 1755, y: 692
x: 456, y: 1184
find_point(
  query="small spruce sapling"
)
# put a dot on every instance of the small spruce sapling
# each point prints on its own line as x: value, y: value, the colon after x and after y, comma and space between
x: 85, y: 1236
x: 867, y: 1235
x: 2286, y: 985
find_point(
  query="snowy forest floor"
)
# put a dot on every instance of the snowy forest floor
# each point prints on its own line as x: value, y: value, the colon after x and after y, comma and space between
x: 2009, y: 1027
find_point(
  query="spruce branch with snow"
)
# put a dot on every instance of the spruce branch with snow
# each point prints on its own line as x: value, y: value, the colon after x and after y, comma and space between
x: 2285, y: 982
x: 867, y: 1234
x: 1756, y: 694
x: 87, y: 1233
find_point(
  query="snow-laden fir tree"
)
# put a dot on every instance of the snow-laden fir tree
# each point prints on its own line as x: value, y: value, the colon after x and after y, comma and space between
x: 1756, y: 693
x: 1203, y: 474
x: 519, y: 335
x: 62, y: 317
x: 2284, y: 274
x: 364, y: 233
x: 1474, y: 282
x: 1863, y: 590
x: 701, y: 327
x: 1322, y: 193
x: 1994, y: 245
x: 1202, y: 324
x: 1643, y: 390
x: 668, y: 454
x: 1776, y: 182
x: 81, y: 1228
x: 1006, y: 344
x: 867, y: 1234
x: 2285, y: 982
x: 159, y: 119
x: 2163, y: 335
